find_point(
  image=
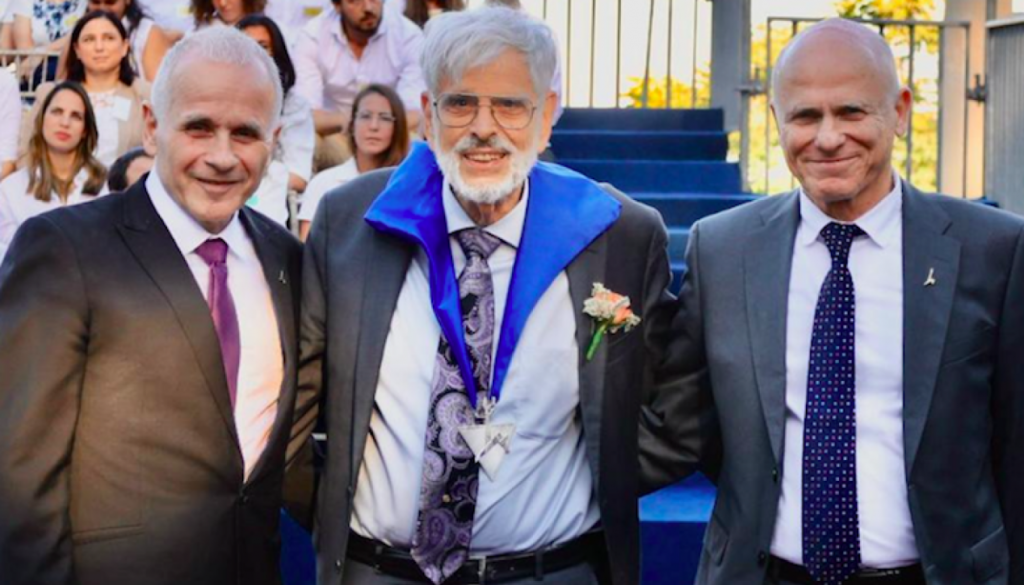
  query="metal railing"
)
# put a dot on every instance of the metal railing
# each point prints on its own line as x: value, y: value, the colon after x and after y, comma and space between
x: 1004, y: 115
x: 909, y: 54
x: 32, y: 68
x: 660, y: 66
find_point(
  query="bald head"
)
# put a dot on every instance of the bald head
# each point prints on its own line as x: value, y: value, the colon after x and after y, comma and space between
x: 837, y: 42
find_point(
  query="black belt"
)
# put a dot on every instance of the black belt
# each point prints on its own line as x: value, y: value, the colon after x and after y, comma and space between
x: 786, y: 571
x: 479, y: 571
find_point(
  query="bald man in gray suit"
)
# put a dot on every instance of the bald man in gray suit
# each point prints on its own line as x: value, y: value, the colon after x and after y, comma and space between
x: 862, y: 345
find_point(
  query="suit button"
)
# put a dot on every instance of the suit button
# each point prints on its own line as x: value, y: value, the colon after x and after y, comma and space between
x: 337, y: 566
x: 775, y: 475
x: 762, y: 558
x: 446, y: 499
x: 244, y: 499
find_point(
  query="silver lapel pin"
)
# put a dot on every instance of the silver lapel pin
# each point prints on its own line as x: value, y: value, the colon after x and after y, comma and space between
x: 930, y: 281
x: 281, y: 277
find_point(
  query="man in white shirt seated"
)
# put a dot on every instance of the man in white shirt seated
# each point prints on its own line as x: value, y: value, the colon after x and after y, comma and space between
x: 345, y: 49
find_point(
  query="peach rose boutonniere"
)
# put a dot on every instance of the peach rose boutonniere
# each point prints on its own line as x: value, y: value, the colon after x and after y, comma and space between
x: 611, y: 313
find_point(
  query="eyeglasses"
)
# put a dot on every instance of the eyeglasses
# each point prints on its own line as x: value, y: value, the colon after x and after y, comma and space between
x: 368, y: 117
x: 458, y: 110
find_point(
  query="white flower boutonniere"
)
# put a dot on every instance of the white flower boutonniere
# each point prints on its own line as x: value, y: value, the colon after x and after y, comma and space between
x: 611, y: 313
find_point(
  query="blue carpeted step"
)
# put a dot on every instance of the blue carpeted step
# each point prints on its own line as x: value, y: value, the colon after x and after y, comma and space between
x: 683, y: 209
x: 629, y: 144
x: 640, y: 119
x: 678, y: 237
x: 672, y: 524
x: 678, y: 270
x: 661, y: 176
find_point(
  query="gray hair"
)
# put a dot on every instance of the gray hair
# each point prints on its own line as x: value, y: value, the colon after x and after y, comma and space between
x: 218, y: 44
x: 459, y: 41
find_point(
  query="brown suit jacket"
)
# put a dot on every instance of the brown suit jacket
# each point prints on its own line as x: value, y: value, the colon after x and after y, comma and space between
x: 119, y: 457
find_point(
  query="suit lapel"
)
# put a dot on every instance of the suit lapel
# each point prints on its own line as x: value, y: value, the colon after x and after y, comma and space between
x: 152, y: 245
x: 273, y: 257
x: 384, y: 270
x: 926, y: 309
x: 766, y: 279
x: 586, y: 269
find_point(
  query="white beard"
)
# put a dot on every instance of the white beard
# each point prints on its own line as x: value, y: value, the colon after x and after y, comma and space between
x: 489, y: 193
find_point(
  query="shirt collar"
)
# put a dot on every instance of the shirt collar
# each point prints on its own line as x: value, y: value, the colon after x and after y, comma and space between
x: 880, y: 223
x: 188, y: 233
x: 508, y: 229
x: 339, y: 34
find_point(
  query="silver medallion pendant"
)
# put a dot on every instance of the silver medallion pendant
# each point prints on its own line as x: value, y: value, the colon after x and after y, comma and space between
x: 489, y: 442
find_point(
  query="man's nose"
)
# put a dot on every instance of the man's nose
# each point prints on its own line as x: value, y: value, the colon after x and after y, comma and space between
x: 484, y: 125
x: 221, y: 156
x: 830, y: 136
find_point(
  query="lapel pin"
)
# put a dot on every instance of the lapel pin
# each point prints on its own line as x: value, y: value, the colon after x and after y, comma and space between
x: 281, y: 277
x: 930, y: 281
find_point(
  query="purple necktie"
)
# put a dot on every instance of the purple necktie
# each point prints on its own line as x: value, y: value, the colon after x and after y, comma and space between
x: 222, y: 307
x: 449, y: 483
x: 831, y: 522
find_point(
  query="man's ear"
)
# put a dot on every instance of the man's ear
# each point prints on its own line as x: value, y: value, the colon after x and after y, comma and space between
x: 428, y: 116
x: 549, y: 105
x: 149, y: 129
x: 903, y: 106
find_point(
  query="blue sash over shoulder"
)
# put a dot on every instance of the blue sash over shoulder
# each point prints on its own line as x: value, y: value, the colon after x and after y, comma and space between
x: 566, y: 212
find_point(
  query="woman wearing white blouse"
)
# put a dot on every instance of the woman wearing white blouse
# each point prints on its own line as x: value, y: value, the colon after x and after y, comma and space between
x: 60, y: 168
x: 10, y: 120
x: 378, y: 134
x: 292, y: 165
x: 98, y: 58
x: 149, y: 42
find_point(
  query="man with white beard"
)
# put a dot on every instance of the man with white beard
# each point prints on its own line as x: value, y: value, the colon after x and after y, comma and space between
x: 466, y: 323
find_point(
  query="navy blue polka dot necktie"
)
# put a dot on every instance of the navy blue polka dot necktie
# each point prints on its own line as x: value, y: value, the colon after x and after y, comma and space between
x: 831, y: 525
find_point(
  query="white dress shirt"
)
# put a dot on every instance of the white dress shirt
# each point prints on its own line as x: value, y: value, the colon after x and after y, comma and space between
x: 293, y: 155
x: 876, y: 266
x: 543, y: 494
x: 329, y: 75
x: 323, y: 182
x: 261, y: 366
x: 17, y: 205
x: 10, y: 116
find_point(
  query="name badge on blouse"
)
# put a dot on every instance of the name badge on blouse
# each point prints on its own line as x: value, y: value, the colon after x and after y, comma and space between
x: 122, y: 109
x: 489, y: 442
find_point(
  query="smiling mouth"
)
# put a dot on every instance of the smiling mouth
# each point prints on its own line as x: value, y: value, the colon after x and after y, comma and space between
x: 484, y: 157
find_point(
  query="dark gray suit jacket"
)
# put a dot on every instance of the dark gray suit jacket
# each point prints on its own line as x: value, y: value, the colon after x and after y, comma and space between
x: 119, y: 457
x: 963, y: 407
x: 352, y: 278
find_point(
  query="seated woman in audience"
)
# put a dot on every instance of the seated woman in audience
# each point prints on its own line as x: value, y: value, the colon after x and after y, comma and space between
x: 47, y: 30
x: 98, y: 58
x: 224, y: 12
x: 60, y: 168
x: 378, y: 134
x: 292, y: 165
x: 10, y: 121
x: 149, y: 42
x: 420, y: 11
x: 128, y: 169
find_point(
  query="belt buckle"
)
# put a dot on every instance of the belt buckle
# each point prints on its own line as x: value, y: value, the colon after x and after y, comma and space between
x: 879, y: 573
x: 482, y: 571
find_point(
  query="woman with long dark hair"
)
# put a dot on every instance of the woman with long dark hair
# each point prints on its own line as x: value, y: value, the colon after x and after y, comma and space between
x: 378, y: 137
x: 227, y: 12
x: 149, y: 42
x: 60, y: 168
x: 98, y: 58
x: 420, y: 11
x: 292, y: 165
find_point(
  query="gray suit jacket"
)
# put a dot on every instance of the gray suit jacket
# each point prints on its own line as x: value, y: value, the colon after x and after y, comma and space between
x: 352, y: 278
x: 963, y: 369
x: 119, y: 457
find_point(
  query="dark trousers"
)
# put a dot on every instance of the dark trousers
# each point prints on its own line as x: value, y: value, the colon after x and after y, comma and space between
x: 357, y: 573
